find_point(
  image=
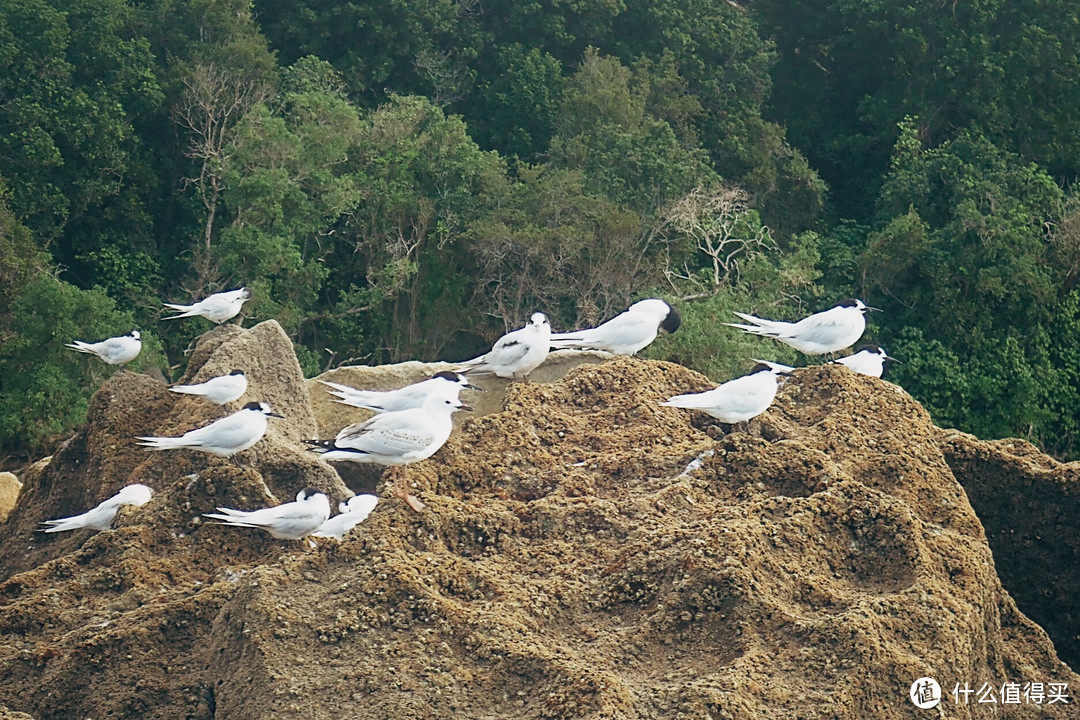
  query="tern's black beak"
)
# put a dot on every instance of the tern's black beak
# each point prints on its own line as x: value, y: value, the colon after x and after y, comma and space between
x: 466, y: 407
x: 274, y: 414
x: 470, y: 386
x: 891, y: 358
x: 873, y: 308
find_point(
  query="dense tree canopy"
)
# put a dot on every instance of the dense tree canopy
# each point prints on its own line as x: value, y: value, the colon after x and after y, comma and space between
x: 401, y: 180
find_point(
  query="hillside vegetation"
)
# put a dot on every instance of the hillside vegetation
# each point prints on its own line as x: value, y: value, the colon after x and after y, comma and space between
x: 399, y: 180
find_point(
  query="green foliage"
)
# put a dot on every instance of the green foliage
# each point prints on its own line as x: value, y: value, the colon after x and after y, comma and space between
x: 962, y: 240
x: 372, y: 169
x: 522, y: 101
x: 964, y: 262
x: 552, y: 245
x: 45, y: 387
x: 769, y: 285
x: 849, y: 72
x: 420, y: 182
x: 626, y: 154
x: 74, y: 85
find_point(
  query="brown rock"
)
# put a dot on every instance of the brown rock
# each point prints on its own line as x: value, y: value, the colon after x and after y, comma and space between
x: 585, y: 553
x: 1028, y: 504
x: 9, y: 493
x: 105, y: 456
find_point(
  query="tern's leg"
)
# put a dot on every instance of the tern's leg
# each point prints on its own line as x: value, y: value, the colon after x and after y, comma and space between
x: 401, y: 488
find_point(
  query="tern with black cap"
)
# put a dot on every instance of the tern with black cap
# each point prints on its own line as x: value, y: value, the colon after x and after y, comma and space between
x: 224, y: 437
x: 825, y: 332
x: 737, y: 400
x: 626, y: 333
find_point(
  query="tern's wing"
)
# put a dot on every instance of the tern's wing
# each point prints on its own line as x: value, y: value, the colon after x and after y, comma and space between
x: 92, y: 348
x: 342, y: 388
x: 230, y: 431
x: 117, y: 347
x: 195, y: 389
x: 508, y: 351
x: 98, y: 518
x: 734, y: 398
x: 390, y: 434
x: 339, y: 525
x: 216, y: 304
x: 836, y: 318
x: 624, y: 329
x: 291, y: 520
x: 377, y: 400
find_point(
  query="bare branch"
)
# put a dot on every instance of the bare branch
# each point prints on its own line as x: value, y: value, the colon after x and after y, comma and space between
x: 719, y: 222
x: 214, y: 100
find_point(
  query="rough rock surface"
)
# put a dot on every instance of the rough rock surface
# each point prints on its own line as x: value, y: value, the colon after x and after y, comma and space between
x: 9, y: 493
x: 1028, y: 503
x: 583, y: 555
x: 104, y: 456
x: 331, y: 415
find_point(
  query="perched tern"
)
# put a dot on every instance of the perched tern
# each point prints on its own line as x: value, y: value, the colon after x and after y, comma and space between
x: 824, y: 332
x: 101, y: 517
x: 224, y: 437
x: 445, y: 384
x: 289, y: 521
x: 352, y: 513
x: 626, y: 333
x: 395, y: 439
x: 222, y: 389
x: 867, y: 359
x: 517, y: 353
x: 115, y: 350
x: 216, y: 308
x: 737, y: 400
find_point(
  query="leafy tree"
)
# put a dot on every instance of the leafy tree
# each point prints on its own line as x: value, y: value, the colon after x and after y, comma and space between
x: 45, y: 387
x: 961, y: 254
x: 961, y: 247
x: 625, y: 153
x: 769, y: 283
x: 522, y: 101
x: 553, y: 246
x: 76, y: 83
x: 848, y: 73
x: 420, y: 183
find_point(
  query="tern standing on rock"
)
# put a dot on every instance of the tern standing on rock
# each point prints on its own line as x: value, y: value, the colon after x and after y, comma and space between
x: 736, y: 400
x: 288, y: 521
x: 224, y: 437
x: 626, y: 333
x: 825, y: 332
x: 445, y: 384
x: 517, y: 353
x: 216, y: 308
x: 222, y: 389
x: 101, y: 517
x: 867, y: 360
x: 395, y: 439
x: 115, y: 351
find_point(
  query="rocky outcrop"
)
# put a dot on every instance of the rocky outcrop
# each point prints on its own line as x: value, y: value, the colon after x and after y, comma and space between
x: 10, y: 486
x: 585, y: 553
x: 1028, y: 504
x: 104, y: 456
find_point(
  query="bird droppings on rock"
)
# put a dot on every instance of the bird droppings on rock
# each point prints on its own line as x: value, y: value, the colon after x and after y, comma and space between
x: 567, y: 566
